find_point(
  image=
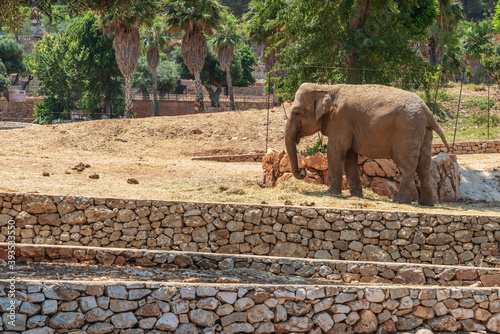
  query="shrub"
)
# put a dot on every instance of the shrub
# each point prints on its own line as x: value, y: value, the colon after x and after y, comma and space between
x: 49, y: 110
x: 482, y: 119
x: 480, y: 102
x: 318, y: 147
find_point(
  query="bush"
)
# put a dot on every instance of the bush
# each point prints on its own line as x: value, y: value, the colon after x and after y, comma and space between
x: 49, y: 110
x: 480, y: 102
x: 482, y: 119
x: 318, y: 147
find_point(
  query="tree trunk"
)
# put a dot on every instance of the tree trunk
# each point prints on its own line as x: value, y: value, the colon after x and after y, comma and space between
x: 156, y: 111
x: 356, y: 23
x: 199, y: 92
x: 129, y: 106
x: 352, y: 77
x: 230, y: 89
x: 127, y: 45
x: 153, y: 58
x: 214, y: 95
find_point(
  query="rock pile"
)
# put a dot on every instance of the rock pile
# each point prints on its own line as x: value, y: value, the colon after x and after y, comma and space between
x: 159, y: 308
x: 382, y: 176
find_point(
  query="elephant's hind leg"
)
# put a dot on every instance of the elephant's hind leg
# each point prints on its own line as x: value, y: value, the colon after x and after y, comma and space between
x: 351, y: 168
x: 423, y: 171
x: 407, y: 163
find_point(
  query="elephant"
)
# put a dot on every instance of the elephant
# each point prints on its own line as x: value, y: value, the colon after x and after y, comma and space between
x: 371, y: 120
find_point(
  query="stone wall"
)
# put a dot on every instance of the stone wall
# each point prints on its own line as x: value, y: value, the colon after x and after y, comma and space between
x: 382, y: 176
x: 253, y: 229
x: 18, y: 111
x: 167, y: 108
x: 104, y: 307
x: 334, y: 271
x: 470, y: 147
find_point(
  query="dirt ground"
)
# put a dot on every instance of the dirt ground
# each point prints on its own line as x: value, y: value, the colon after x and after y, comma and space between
x: 157, y: 153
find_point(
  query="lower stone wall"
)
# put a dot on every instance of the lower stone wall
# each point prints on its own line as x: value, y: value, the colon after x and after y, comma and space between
x: 334, y: 271
x: 324, y: 233
x: 103, y: 307
x: 470, y: 147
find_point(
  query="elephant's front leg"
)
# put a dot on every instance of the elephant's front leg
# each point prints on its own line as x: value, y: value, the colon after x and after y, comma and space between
x: 336, y: 158
x: 352, y: 173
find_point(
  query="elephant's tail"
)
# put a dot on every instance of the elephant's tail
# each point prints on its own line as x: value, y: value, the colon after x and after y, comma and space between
x: 432, y: 124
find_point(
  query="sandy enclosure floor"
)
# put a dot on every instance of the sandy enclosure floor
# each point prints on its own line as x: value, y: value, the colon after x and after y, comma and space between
x: 157, y: 152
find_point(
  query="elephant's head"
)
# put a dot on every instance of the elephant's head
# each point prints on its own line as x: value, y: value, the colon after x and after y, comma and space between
x: 311, y: 103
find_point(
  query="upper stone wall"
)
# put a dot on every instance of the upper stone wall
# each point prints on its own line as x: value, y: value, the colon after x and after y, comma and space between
x: 253, y: 229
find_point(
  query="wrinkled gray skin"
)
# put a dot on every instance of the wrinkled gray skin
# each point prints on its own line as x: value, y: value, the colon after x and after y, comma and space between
x: 372, y: 120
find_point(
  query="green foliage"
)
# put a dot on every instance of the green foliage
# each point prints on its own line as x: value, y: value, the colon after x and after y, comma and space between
x: 318, y: 147
x: 248, y: 60
x: 228, y: 33
x: 212, y: 73
x: 58, y: 20
x: 478, y: 10
x: 479, y: 101
x: 193, y: 15
x: 113, y: 13
x: 237, y: 7
x: 482, y: 119
x: 48, y: 110
x: 15, y: 13
x: 496, y: 18
x: 4, y: 80
x: 491, y: 63
x: 325, y: 42
x: 167, y: 76
x: 12, y: 55
x: 53, y: 65
x: 478, y: 39
x: 95, y: 59
x: 78, y: 68
x: 445, y: 96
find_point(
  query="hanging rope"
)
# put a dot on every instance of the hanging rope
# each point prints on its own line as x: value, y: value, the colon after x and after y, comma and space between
x: 459, y: 100
x: 488, y: 111
x: 268, y: 90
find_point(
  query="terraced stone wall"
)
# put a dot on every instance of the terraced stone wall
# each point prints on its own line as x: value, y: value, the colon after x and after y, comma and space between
x: 102, y: 307
x: 331, y: 270
x: 253, y: 229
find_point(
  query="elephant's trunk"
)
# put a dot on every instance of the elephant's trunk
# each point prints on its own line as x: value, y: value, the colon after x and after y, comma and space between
x: 291, y: 149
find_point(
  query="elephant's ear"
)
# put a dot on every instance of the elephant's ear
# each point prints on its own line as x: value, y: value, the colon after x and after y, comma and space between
x: 323, y: 105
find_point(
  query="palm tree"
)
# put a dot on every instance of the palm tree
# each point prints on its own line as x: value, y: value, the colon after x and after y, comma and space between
x: 155, y: 40
x: 227, y: 38
x: 450, y: 14
x: 195, y: 18
x: 121, y: 20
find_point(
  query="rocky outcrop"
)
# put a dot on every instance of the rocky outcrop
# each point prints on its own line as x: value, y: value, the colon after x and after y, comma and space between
x: 382, y: 176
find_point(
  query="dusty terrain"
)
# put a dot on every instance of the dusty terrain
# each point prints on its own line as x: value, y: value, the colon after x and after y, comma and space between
x: 157, y: 153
